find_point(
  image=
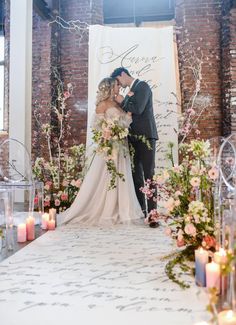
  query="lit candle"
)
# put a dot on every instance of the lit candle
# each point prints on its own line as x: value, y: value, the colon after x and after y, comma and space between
x: 213, y: 275
x: 201, y: 259
x: 52, y: 213
x: 30, y: 228
x: 21, y: 233
x: 44, y: 221
x: 220, y: 257
x: 227, y: 317
x: 51, y: 224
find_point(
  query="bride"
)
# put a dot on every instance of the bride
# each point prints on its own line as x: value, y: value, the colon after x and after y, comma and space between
x: 95, y: 203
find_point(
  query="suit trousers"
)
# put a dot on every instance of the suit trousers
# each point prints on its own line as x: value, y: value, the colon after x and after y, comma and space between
x: 144, y: 166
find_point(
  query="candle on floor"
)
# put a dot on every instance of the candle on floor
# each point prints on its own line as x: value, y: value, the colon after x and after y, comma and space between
x: 52, y: 213
x: 227, y: 317
x: 21, y: 233
x: 30, y: 228
x: 51, y: 224
x: 201, y: 259
x: 220, y: 257
x: 213, y: 275
x: 44, y: 221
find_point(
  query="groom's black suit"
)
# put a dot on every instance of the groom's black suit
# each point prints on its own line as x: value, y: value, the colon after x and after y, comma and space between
x: 141, y: 107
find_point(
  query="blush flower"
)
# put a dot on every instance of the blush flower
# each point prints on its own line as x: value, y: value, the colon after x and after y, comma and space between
x: 213, y: 173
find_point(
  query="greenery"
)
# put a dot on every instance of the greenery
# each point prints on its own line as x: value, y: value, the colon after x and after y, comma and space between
x: 185, y: 201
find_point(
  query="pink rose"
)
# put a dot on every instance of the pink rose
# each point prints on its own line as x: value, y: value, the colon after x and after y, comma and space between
x: 180, y: 243
x: 36, y: 200
x: 78, y: 183
x: 47, y: 203
x: 64, y: 197
x: 57, y: 203
x: 208, y: 241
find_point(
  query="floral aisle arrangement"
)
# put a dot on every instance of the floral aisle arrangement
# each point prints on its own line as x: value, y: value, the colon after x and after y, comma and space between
x: 61, y: 186
x: 185, y: 201
x: 62, y: 168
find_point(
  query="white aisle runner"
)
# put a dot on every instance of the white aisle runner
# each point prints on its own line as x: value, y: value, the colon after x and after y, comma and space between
x: 95, y: 276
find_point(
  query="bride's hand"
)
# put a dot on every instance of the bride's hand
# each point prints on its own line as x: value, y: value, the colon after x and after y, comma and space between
x: 130, y: 93
x: 129, y: 114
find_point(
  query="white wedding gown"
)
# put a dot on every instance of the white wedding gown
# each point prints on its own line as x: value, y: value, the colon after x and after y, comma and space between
x: 95, y: 204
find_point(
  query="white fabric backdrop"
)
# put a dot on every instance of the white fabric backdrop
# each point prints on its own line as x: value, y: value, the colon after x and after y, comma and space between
x: 148, y: 54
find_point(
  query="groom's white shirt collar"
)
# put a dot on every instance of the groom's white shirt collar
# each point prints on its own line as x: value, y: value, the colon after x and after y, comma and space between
x: 132, y: 83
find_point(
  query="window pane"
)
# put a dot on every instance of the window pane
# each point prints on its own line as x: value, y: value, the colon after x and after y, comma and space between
x: 1, y: 48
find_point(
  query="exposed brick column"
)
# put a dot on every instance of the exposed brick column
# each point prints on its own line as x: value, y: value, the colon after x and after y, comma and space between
x: 41, y: 82
x: 200, y: 29
x: 74, y: 60
x: 229, y: 67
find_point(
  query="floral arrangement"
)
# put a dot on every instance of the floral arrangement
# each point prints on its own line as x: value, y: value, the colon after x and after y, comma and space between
x: 110, y: 136
x: 61, y: 186
x: 185, y: 200
x: 62, y: 167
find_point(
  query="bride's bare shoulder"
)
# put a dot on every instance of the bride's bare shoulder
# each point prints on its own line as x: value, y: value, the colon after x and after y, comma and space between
x: 101, y: 108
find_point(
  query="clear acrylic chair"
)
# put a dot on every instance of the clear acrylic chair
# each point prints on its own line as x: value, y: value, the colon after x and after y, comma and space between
x: 16, y: 174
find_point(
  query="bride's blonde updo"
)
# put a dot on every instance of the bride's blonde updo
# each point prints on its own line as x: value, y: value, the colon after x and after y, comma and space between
x: 105, y: 89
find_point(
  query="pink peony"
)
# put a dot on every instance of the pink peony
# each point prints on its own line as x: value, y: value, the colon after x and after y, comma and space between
x: 190, y: 230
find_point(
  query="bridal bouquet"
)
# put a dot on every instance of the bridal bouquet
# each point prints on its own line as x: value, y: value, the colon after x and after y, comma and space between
x: 110, y: 136
x: 185, y: 198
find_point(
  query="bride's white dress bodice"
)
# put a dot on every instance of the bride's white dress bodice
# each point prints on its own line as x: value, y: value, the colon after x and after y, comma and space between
x: 95, y: 204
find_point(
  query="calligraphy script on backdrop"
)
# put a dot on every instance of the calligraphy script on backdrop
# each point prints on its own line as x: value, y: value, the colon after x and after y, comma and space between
x: 145, y: 68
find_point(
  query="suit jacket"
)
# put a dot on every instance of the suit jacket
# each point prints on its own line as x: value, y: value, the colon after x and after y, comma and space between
x: 141, y: 107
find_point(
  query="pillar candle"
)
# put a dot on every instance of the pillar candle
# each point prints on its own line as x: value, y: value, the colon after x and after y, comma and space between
x: 227, y: 317
x: 52, y: 213
x: 44, y: 221
x: 30, y: 228
x: 51, y: 224
x: 21, y: 233
x: 213, y: 275
x: 220, y: 257
x: 201, y: 259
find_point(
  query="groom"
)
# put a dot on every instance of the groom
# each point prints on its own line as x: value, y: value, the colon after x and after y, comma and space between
x: 139, y: 103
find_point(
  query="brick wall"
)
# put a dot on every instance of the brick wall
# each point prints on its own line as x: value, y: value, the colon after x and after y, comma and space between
x: 198, y: 24
x: 229, y: 67
x: 74, y: 60
x: 41, y: 83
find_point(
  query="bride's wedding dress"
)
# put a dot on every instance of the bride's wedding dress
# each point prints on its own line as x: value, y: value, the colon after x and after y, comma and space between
x: 95, y: 204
